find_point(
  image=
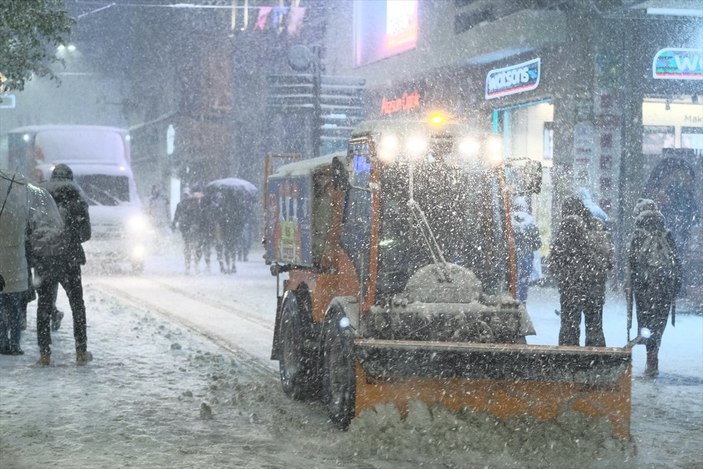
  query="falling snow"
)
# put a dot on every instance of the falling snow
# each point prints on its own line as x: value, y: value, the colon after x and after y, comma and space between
x: 159, y: 394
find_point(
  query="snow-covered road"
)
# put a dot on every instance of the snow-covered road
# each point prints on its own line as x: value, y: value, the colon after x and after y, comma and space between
x: 182, y: 378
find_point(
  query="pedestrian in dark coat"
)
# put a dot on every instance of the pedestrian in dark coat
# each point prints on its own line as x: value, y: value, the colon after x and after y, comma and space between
x: 186, y: 219
x: 580, y: 260
x: 60, y: 264
x: 205, y: 232
x: 654, y: 284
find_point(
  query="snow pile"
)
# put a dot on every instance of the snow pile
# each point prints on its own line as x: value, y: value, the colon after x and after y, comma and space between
x: 443, y: 283
x: 159, y: 395
x: 442, y: 436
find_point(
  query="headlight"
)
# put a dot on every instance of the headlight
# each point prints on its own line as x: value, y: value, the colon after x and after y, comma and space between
x: 138, y: 225
x: 138, y: 252
x: 388, y: 148
x: 469, y: 147
x: 416, y: 146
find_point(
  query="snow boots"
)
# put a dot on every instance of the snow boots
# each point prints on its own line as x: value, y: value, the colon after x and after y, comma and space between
x: 83, y: 357
x: 44, y: 359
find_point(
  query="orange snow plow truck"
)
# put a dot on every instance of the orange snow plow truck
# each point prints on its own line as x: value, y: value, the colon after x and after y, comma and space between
x: 398, y: 269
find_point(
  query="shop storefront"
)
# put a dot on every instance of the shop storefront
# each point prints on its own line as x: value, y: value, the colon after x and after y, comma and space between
x: 600, y: 114
x: 666, y: 161
x: 524, y: 98
x: 625, y: 122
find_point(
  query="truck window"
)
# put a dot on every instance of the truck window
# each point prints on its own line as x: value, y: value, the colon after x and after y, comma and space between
x: 102, y: 189
x: 356, y: 230
x: 464, y: 212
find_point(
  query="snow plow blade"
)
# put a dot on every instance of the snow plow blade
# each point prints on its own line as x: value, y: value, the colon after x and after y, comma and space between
x: 506, y: 380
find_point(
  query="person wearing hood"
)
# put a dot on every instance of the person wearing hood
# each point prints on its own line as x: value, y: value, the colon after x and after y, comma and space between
x: 27, y: 214
x: 580, y: 259
x: 60, y: 264
x: 653, y: 277
x: 527, y: 241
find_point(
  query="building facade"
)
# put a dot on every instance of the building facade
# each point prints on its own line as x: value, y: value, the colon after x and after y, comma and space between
x: 599, y: 96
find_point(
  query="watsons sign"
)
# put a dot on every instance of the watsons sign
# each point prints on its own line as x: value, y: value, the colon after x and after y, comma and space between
x: 678, y: 64
x: 514, y: 79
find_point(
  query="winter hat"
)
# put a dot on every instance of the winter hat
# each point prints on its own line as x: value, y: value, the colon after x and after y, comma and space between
x: 644, y: 205
x: 62, y: 172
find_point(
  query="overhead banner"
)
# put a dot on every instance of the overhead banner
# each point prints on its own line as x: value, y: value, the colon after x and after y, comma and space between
x: 513, y: 79
x: 678, y: 64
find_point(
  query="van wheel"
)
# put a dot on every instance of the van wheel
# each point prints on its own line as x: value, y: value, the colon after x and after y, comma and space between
x: 295, y: 365
x: 339, y: 376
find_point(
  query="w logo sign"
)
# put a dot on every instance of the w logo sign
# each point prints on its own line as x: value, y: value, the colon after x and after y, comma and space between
x: 678, y: 64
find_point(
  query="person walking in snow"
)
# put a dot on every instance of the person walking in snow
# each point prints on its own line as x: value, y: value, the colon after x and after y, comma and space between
x: 186, y: 220
x: 60, y: 264
x: 527, y: 241
x: 653, y: 277
x: 205, y: 230
x: 580, y: 260
x: 27, y: 212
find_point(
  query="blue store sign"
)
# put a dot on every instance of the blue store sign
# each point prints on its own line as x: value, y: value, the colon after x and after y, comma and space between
x: 678, y: 64
x: 514, y: 79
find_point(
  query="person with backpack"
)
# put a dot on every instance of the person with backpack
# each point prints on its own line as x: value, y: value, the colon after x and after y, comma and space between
x: 653, y: 277
x: 580, y: 259
x: 60, y: 263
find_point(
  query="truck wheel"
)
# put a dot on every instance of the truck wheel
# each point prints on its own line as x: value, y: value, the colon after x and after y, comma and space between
x: 339, y: 376
x: 295, y: 366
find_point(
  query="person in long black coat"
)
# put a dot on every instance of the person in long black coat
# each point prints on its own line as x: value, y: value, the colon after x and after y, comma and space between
x: 60, y: 264
x: 580, y: 259
x: 187, y: 219
x: 654, y: 289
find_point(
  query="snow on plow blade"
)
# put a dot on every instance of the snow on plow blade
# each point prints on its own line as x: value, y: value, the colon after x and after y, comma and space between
x: 506, y: 380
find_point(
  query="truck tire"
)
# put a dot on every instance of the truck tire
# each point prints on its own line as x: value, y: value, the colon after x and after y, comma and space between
x: 295, y: 365
x: 338, y: 373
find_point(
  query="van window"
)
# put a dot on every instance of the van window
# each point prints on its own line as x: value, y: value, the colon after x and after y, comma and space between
x: 101, y: 189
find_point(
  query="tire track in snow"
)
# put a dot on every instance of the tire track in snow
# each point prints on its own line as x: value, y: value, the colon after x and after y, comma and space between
x: 233, y: 330
x: 216, y: 304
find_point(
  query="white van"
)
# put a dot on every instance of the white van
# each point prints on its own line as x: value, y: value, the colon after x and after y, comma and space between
x: 100, y: 159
